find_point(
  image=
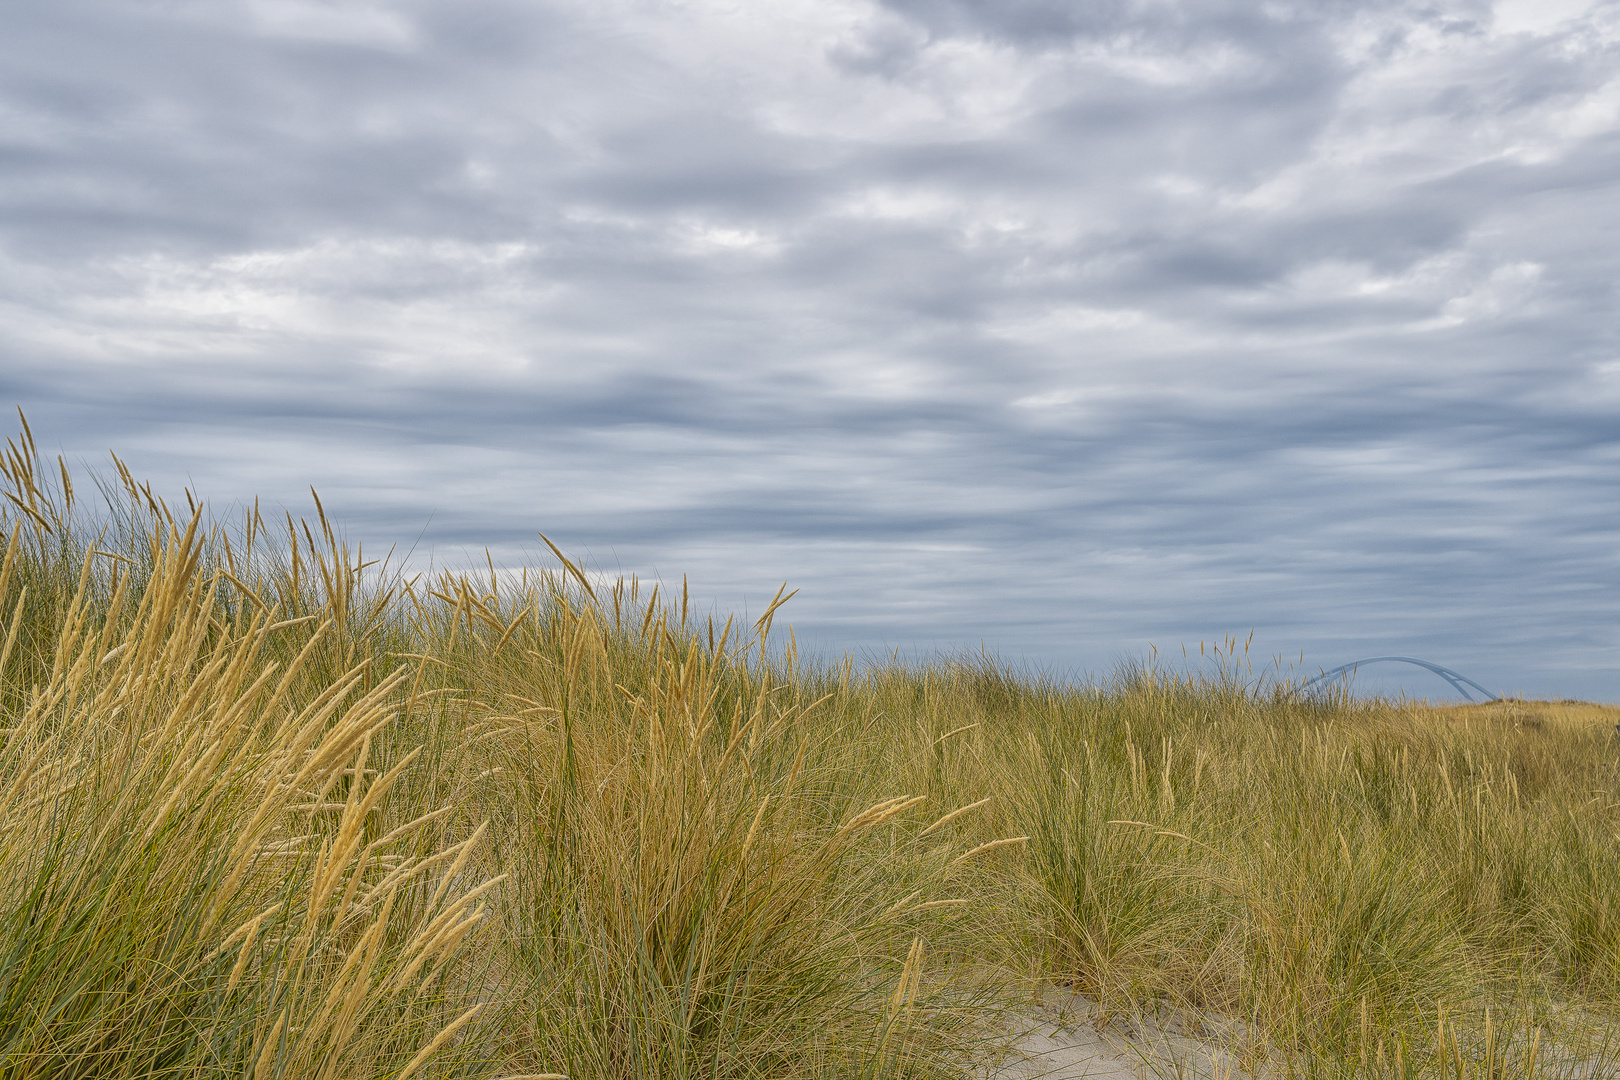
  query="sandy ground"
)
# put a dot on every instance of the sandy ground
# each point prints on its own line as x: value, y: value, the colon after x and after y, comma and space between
x: 1064, y: 1042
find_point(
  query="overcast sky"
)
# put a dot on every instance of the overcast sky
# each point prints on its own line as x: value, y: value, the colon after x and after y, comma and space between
x: 1068, y: 328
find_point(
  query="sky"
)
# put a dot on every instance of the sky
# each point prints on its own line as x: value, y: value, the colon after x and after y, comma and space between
x: 1063, y: 331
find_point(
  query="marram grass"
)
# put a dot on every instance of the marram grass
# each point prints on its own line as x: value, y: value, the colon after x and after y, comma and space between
x: 269, y: 809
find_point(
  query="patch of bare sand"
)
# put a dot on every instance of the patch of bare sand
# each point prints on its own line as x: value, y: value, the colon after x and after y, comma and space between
x: 1066, y: 1036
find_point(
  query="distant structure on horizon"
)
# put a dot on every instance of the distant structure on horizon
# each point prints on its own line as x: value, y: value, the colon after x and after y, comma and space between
x: 1456, y: 679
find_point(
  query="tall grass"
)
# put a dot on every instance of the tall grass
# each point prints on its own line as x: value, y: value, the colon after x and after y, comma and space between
x: 271, y: 809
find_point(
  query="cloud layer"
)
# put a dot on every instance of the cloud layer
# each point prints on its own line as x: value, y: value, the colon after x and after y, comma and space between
x: 1062, y: 328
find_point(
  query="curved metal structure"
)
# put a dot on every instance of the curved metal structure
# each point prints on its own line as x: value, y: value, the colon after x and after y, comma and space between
x: 1454, y: 678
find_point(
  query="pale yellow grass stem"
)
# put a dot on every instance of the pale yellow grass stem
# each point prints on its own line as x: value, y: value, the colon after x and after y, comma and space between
x: 991, y: 846
x: 439, y: 1040
x: 954, y: 814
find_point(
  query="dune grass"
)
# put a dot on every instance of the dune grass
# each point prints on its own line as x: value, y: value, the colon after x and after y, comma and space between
x: 269, y: 808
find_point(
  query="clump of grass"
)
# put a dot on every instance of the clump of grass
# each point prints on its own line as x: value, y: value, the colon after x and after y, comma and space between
x: 271, y: 809
x: 193, y: 877
x: 1339, y: 879
x: 266, y: 814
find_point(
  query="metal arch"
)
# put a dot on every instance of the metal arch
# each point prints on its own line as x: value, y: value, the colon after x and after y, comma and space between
x: 1456, y: 679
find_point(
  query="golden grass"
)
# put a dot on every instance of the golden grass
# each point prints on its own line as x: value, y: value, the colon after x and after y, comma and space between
x: 270, y: 810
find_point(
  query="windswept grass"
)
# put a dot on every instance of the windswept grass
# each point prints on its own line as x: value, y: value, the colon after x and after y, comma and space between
x: 270, y: 809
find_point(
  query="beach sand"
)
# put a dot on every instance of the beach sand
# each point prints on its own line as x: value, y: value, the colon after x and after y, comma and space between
x: 1066, y: 1036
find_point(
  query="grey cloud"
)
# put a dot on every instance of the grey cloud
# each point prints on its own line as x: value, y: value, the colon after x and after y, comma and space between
x: 701, y: 161
x: 1050, y: 22
x: 143, y: 130
x: 1065, y: 378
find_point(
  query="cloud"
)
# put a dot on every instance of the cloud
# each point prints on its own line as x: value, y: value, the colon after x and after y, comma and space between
x: 1065, y: 328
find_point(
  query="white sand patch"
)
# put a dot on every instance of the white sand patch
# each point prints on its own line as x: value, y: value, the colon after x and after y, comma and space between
x: 1069, y: 1037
